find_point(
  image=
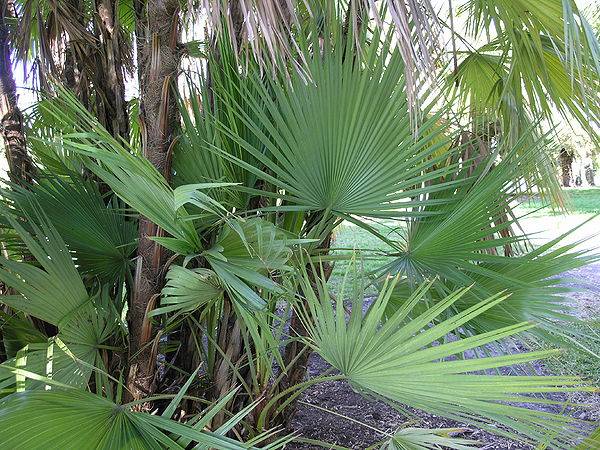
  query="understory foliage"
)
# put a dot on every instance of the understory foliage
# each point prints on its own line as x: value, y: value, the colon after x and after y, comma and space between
x: 266, y: 164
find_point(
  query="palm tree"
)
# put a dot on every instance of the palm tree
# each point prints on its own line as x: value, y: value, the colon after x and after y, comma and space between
x: 239, y: 187
x: 157, y: 32
x: 19, y: 162
x: 86, y: 45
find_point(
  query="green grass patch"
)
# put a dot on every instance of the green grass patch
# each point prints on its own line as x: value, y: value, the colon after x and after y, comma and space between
x: 576, y: 361
x: 580, y: 201
x: 348, y: 239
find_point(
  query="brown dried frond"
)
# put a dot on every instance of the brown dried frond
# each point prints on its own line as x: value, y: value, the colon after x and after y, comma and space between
x: 265, y: 28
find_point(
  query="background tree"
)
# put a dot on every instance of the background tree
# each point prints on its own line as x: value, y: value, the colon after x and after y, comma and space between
x: 20, y: 167
x: 87, y: 45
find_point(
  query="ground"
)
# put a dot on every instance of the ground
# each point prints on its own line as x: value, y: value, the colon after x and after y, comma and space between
x: 332, y: 412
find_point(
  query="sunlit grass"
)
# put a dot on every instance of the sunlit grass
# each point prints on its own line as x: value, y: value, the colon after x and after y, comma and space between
x: 579, y: 201
x: 349, y: 238
x: 580, y: 361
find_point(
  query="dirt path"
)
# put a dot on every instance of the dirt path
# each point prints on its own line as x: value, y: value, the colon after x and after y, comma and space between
x: 368, y: 416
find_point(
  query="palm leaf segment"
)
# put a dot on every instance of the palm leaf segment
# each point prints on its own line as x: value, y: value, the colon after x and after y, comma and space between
x: 78, y: 419
x: 428, y: 439
x: 341, y: 141
x: 545, y: 58
x: 399, y: 360
x: 102, y: 239
x: 463, y: 245
x: 55, y: 293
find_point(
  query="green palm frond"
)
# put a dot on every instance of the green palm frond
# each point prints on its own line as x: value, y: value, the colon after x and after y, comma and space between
x: 546, y: 54
x: 465, y: 244
x: 134, y: 179
x: 17, y: 332
x: 78, y: 419
x: 592, y: 441
x: 272, y: 30
x: 341, y: 141
x: 405, y: 362
x: 428, y: 439
x: 193, y: 160
x: 57, y: 277
x: 55, y: 293
x: 188, y: 289
x: 246, y: 253
x: 101, y: 237
x: 70, y: 365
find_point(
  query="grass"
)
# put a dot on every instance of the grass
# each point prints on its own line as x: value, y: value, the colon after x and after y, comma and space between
x: 349, y: 238
x: 575, y: 361
x: 579, y: 201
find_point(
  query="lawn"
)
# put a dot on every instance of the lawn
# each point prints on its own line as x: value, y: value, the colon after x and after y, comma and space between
x: 579, y: 201
x: 349, y: 237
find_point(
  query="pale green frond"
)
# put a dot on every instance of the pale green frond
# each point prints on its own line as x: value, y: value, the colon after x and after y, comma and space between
x: 78, y: 419
x: 428, y: 439
x: 70, y: 365
x: 99, y: 235
x: 193, y: 160
x: 17, y: 332
x: 551, y: 58
x: 186, y: 290
x: 341, y: 140
x: 405, y: 362
x: 245, y: 254
x: 473, y: 242
x: 270, y: 30
x: 134, y: 179
x: 55, y: 293
x: 592, y: 441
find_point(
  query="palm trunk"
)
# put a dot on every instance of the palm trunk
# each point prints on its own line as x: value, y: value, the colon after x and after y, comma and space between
x: 112, y: 112
x: 157, y: 31
x: 21, y: 169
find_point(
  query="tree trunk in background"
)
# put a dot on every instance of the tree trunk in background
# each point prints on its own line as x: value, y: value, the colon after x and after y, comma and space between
x: 157, y: 32
x: 566, y: 161
x: 20, y: 166
x: 296, y: 353
x: 95, y: 62
x: 76, y: 53
x: 111, y: 106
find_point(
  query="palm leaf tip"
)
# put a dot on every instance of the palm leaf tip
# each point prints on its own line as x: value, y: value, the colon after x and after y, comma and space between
x: 78, y: 419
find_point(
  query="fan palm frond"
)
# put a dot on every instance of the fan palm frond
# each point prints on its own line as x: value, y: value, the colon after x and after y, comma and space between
x: 428, y: 439
x: 55, y: 293
x: 188, y: 289
x: 80, y: 419
x: 134, y: 179
x: 342, y: 141
x: 465, y: 245
x: 101, y: 237
x: 247, y: 255
x: 403, y: 362
x: 268, y: 28
x: 544, y: 54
